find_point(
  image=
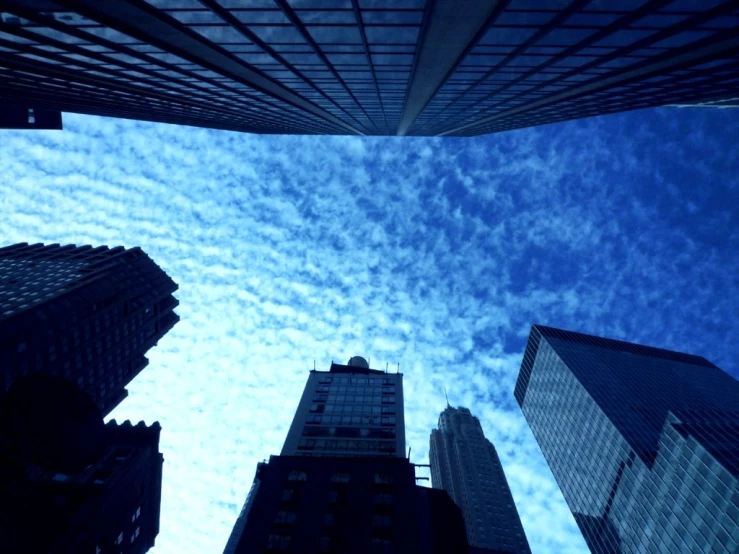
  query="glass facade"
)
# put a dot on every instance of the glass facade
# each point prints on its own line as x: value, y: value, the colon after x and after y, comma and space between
x: 465, y: 464
x: 643, y: 442
x: 365, y: 67
x: 349, y: 411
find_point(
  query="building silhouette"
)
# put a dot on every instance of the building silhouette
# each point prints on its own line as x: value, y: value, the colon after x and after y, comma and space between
x: 360, y: 67
x: 465, y: 464
x: 112, y: 506
x: 347, y: 487
x: 643, y: 442
x: 86, y: 314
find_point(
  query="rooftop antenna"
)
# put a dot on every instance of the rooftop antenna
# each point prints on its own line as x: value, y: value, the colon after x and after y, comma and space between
x: 447, y: 398
x: 314, y: 365
x: 398, y: 370
x: 386, y: 366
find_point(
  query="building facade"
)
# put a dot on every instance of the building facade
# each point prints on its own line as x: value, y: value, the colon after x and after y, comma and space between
x: 465, y: 464
x: 111, y: 507
x: 342, y: 483
x: 86, y: 314
x: 351, y: 410
x: 361, y: 67
x: 342, y: 504
x: 643, y: 442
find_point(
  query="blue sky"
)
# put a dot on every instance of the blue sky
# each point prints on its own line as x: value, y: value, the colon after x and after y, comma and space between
x: 435, y: 254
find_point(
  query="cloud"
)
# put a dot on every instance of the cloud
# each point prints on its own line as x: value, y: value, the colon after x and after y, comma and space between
x: 435, y: 254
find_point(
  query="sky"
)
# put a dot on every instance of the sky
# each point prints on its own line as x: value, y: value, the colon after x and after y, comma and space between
x: 431, y: 255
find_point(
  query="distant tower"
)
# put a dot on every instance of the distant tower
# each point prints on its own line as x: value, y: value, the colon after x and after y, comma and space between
x: 465, y: 464
x: 643, y: 442
x: 342, y: 483
x: 86, y: 314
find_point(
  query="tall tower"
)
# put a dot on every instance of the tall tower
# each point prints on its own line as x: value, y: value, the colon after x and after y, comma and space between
x: 86, y: 314
x: 465, y: 464
x: 643, y: 442
x: 342, y: 482
x: 355, y: 67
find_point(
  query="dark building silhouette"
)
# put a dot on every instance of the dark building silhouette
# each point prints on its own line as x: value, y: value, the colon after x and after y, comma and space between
x: 86, y: 314
x: 111, y: 507
x: 465, y: 464
x: 643, y: 442
x: 345, y: 495
x: 365, y: 67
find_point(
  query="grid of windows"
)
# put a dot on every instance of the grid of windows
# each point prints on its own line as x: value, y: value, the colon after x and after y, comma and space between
x: 534, y: 64
x: 82, y: 313
x: 349, y: 414
x: 465, y: 464
x: 348, y: 66
x: 644, y: 443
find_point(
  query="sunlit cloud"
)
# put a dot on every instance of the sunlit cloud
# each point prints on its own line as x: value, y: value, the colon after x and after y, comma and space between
x: 434, y: 254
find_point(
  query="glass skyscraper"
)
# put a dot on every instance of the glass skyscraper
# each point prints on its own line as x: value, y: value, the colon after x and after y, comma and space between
x: 465, y: 464
x: 643, y: 442
x: 361, y: 67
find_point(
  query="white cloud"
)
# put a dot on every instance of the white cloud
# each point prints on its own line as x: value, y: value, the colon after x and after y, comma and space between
x: 435, y: 254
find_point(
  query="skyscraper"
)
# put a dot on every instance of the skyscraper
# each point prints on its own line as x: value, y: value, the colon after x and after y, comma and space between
x: 364, y: 67
x: 110, y: 507
x: 85, y: 314
x: 465, y: 464
x: 342, y: 482
x: 643, y: 442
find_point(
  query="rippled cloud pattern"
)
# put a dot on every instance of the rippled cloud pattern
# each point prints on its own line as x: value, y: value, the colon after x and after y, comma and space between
x: 434, y: 255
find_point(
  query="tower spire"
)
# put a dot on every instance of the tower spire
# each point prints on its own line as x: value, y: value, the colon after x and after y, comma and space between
x: 447, y: 398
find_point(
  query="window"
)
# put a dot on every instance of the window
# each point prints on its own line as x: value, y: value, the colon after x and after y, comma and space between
x: 279, y: 543
x: 328, y: 519
x: 306, y: 444
x: 119, y: 540
x: 288, y: 495
x: 324, y: 544
x: 383, y: 479
x: 382, y: 521
x: 340, y: 477
x: 297, y: 475
x: 285, y: 517
x: 136, y: 514
x: 382, y: 546
x: 382, y: 499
